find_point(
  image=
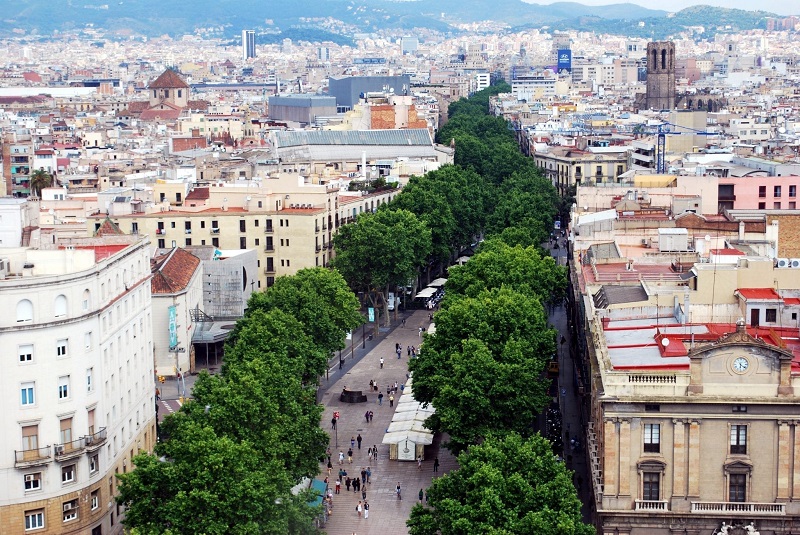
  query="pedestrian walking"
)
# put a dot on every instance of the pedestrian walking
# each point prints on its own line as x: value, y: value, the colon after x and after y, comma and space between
x: 380, y: 398
x: 330, y: 466
x: 338, y: 486
x: 419, y: 462
x: 333, y: 423
x: 356, y: 484
x: 381, y: 362
x: 403, y: 322
x: 391, y: 401
x: 369, y: 453
x: 371, y: 415
x: 413, y: 352
x: 408, y: 349
x: 358, y: 508
x: 352, y: 442
x: 328, y: 454
x: 420, y: 331
x: 350, y: 456
x: 358, y: 438
x: 341, y: 457
x: 397, y: 490
x: 426, y: 497
x: 366, y: 416
x: 436, y: 465
x: 369, y: 474
x: 363, y: 475
x: 399, y: 353
x: 347, y: 483
x: 366, y: 509
x: 421, y: 495
x: 363, y: 493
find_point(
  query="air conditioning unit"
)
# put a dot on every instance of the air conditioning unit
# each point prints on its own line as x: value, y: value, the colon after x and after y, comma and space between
x: 89, y: 440
x: 59, y: 449
x: 29, y: 478
x: 794, y: 262
x: 783, y: 262
x: 68, y: 506
x: 4, y: 268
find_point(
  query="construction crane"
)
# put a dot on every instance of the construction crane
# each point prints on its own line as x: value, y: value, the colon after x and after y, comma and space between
x: 663, y: 130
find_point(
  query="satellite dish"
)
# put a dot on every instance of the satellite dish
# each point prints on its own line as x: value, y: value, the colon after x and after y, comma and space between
x: 781, y: 130
x: 225, y: 199
x: 708, y: 237
x: 51, y: 211
x: 249, y: 198
x: 665, y: 342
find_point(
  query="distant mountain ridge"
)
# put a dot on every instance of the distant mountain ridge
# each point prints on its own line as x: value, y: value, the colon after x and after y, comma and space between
x: 339, y: 20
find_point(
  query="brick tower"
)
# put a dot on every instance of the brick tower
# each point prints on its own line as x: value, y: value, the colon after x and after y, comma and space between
x: 660, y: 75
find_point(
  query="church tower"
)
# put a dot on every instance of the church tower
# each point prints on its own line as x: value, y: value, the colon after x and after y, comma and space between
x: 660, y: 75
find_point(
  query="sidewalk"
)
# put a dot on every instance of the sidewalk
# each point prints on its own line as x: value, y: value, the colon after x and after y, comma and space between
x: 387, y: 514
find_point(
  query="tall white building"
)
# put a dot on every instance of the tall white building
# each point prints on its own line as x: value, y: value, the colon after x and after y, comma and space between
x: 77, y: 384
x: 248, y: 44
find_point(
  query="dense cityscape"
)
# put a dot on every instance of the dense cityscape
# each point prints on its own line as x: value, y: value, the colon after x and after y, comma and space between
x: 481, y: 279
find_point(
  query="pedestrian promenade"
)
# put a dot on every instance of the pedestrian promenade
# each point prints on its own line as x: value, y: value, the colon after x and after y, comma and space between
x: 387, y: 514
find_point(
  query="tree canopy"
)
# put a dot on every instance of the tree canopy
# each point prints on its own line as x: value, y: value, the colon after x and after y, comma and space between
x: 507, y: 486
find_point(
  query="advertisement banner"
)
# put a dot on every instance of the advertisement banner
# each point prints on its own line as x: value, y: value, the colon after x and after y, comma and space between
x: 565, y: 60
x: 173, y: 327
x: 371, y: 312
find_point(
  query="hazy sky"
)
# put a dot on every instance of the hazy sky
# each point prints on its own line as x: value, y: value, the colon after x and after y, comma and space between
x: 781, y: 7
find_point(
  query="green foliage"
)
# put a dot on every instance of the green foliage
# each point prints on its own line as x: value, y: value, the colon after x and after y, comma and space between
x: 318, y: 298
x: 506, y: 485
x: 40, y: 179
x: 381, y: 250
x: 525, y: 270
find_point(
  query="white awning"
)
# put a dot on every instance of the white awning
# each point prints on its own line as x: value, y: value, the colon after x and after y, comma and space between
x: 425, y: 293
x: 438, y: 283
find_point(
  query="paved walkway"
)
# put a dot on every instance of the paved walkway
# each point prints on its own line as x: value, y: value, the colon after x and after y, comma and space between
x: 387, y: 514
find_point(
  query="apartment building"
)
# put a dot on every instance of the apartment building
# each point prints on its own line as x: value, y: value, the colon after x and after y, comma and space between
x: 289, y: 223
x: 79, y: 390
x: 569, y: 166
x: 18, y: 155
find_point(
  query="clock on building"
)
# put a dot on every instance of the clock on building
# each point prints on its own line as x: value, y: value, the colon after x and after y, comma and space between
x: 740, y: 365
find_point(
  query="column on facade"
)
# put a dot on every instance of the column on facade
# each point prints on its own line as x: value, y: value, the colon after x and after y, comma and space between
x: 694, y: 458
x: 784, y: 459
x: 610, y: 457
x: 679, y: 459
x: 796, y: 477
x: 625, y: 457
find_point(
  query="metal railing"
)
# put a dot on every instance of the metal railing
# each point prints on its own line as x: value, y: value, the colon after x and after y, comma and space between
x: 651, y: 505
x: 32, y: 457
x: 96, y: 440
x: 69, y: 449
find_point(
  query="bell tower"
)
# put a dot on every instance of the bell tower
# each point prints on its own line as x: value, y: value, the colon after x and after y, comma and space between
x: 660, y: 75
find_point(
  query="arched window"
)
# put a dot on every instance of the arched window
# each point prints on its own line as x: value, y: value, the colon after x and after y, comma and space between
x: 24, y: 311
x: 654, y: 60
x: 663, y: 59
x: 60, y: 306
x: 87, y: 300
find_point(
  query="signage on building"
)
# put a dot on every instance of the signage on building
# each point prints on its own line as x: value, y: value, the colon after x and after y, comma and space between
x: 173, y: 327
x: 565, y: 60
x: 371, y: 312
x: 369, y: 61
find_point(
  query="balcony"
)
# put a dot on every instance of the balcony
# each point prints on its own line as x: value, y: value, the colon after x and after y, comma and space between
x: 215, y: 230
x: 651, y: 505
x: 93, y: 442
x: 316, y: 229
x: 70, y: 450
x: 269, y: 248
x: 33, y: 457
x: 319, y: 248
x: 329, y: 245
x: 161, y: 231
x: 739, y: 508
x: 188, y: 231
x: 268, y: 230
x: 269, y: 270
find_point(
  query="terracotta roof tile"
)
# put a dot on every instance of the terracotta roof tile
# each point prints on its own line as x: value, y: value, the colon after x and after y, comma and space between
x: 169, y: 79
x: 173, y: 271
x: 198, y: 194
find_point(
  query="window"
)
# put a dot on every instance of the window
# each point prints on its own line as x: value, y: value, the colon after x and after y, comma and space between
x: 27, y: 395
x: 24, y: 311
x: 70, y: 509
x: 737, y: 487
x: 651, y: 483
x: 94, y: 463
x: 242, y: 225
x: 771, y: 315
x: 26, y: 353
x: 255, y: 223
x: 243, y: 243
x: 30, y: 437
x: 60, y: 306
x: 188, y: 242
x: 68, y: 474
x: 269, y: 225
x: 792, y: 191
x: 776, y: 191
x: 650, y: 407
x: 95, y: 499
x: 776, y: 206
x: 61, y: 347
x: 738, y: 439
x: 215, y: 242
x: 762, y: 191
x: 162, y: 243
x: 86, y: 300
x: 34, y: 519
x: 90, y: 379
x: 33, y: 481
x: 792, y: 205
x: 652, y: 438
x: 762, y: 205
x: 63, y: 387
x: 65, y: 425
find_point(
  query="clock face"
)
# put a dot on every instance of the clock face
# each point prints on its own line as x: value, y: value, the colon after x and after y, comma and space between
x: 740, y: 364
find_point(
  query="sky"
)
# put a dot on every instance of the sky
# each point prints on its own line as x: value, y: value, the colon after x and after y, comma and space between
x: 781, y: 7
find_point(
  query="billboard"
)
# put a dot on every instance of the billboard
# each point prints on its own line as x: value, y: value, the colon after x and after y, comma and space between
x: 173, y: 327
x: 564, y: 60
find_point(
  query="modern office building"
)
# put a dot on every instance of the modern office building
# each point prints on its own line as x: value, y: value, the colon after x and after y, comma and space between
x: 248, y: 44
x: 77, y: 385
x: 349, y: 89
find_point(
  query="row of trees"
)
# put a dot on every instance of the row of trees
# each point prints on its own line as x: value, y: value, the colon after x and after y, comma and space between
x: 229, y: 458
x: 483, y: 369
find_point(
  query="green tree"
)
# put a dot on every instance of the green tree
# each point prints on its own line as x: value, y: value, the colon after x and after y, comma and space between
x: 381, y: 251
x: 526, y: 270
x: 40, y: 179
x: 316, y: 297
x: 505, y: 486
x: 200, y: 482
